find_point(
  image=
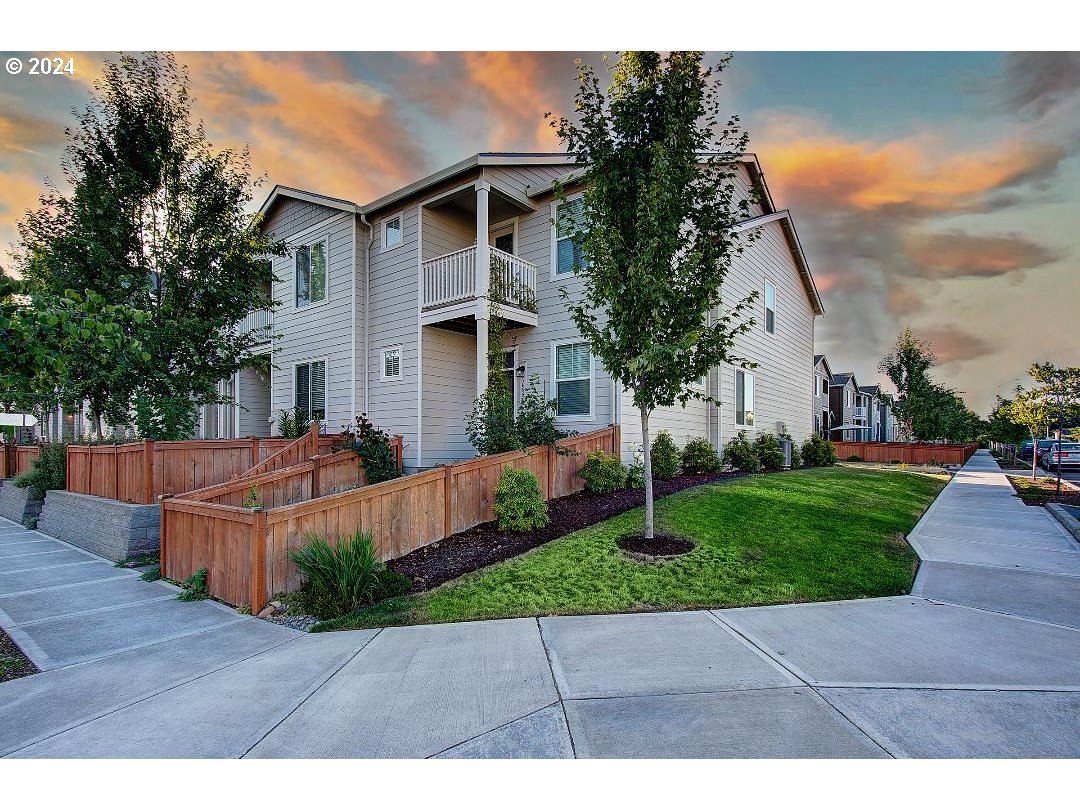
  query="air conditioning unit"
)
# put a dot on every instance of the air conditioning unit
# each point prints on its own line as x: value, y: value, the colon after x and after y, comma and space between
x: 786, y: 445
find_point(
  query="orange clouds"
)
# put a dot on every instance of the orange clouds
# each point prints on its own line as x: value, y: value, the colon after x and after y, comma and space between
x: 955, y: 253
x: 953, y: 345
x: 512, y: 86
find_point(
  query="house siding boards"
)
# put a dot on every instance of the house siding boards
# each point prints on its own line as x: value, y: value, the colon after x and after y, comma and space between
x: 254, y: 416
x: 448, y: 392
x: 323, y: 331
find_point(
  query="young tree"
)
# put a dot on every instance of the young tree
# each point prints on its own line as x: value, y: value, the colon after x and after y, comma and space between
x: 908, y: 367
x: 655, y: 228
x: 156, y: 221
x: 1030, y: 409
x: 1059, y: 388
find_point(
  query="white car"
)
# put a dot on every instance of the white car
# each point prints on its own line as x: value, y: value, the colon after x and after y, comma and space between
x: 1070, y: 456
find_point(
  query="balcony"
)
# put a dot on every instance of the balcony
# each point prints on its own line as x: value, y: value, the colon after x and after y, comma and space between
x: 859, y: 412
x: 453, y: 290
x: 259, y: 321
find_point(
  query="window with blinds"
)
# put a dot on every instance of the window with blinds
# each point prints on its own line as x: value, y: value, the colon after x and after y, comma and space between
x: 310, y: 392
x: 568, y: 252
x: 573, y: 379
x: 391, y: 364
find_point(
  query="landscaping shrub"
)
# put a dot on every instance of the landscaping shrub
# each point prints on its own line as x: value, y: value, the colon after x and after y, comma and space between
x: 769, y: 452
x: 635, y: 476
x: 818, y: 452
x: 390, y: 584
x: 195, y: 587
x: 603, y: 473
x: 293, y: 423
x: 853, y: 457
x: 741, y: 455
x: 373, y: 446
x: 666, y: 457
x: 519, y: 502
x: 699, y: 457
x: 48, y: 471
x: 535, y: 423
x: 337, y: 579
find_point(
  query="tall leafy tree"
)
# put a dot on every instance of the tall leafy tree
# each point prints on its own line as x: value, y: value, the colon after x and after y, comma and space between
x: 655, y: 227
x: 156, y: 220
x: 908, y: 367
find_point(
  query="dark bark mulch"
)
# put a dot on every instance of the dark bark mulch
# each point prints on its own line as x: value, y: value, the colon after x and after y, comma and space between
x: 660, y: 545
x: 13, y: 664
x: 486, y: 545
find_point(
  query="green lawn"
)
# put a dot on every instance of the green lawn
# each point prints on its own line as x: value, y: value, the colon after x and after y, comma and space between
x: 809, y: 535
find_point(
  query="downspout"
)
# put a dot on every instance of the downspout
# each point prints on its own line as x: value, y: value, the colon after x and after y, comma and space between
x: 367, y: 299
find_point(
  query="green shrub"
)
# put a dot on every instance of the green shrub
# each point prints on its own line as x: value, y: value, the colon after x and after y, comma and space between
x: 535, y: 423
x: 519, y: 502
x: 635, y: 476
x: 699, y: 457
x: 48, y: 471
x: 741, y: 455
x: 374, y: 448
x: 818, y: 452
x: 293, y: 423
x: 603, y: 473
x: 337, y: 578
x: 151, y: 574
x: 853, y: 457
x: 769, y: 452
x: 390, y: 584
x: 666, y: 457
x: 195, y: 587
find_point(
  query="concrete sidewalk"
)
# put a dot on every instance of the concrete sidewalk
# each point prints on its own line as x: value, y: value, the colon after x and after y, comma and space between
x: 982, y: 660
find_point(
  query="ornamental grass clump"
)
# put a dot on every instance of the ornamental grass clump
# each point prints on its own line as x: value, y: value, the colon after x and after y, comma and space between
x: 603, y: 473
x: 741, y: 455
x: 699, y: 458
x: 666, y: 457
x: 337, y: 578
x: 519, y: 502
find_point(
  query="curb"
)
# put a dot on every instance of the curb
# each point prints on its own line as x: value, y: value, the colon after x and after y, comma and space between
x: 1062, y: 515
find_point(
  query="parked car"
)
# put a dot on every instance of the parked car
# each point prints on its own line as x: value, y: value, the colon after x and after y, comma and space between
x: 1070, y: 456
x: 1026, y: 447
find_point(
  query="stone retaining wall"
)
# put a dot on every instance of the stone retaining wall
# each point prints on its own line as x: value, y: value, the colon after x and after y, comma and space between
x: 108, y: 528
x: 16, y: 503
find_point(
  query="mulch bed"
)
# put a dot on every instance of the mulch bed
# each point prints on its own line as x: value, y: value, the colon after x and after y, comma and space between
x: 13, y: 664
x: 486, y: 545
x: 658, y: 546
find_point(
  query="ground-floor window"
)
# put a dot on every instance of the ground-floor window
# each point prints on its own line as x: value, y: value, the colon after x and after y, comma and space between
x: 573, y: 379
x: 744, y: 398
x: 310, y: 389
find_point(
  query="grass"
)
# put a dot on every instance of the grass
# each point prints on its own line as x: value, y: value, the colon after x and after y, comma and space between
x: 809, y: 535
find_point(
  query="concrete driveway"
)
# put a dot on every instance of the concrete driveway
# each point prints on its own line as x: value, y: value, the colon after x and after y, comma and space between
x: 982, y: 660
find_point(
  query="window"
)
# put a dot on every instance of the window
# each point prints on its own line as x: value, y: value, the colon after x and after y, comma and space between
x: 392, y: 233
x: 568, y: 255
x: 824, y: 386
x: 744, y: 398
x: 770, y: 308
x: 310, y: 390
x: 573, y: 379
x: 391, y: 363
x: 311, y: 274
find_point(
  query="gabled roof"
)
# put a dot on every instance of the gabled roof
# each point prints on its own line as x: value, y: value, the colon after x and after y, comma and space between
x: 871, y: 389
x: 279, y: 191
x: 823, y: 360
x: 843, y: 378
x: 792, y: 238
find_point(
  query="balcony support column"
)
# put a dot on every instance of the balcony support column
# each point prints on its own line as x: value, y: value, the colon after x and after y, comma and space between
x: 483, y: 250
x: 481, y: 355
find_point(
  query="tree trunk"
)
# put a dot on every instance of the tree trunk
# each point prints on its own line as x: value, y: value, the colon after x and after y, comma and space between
x: 1034, y: 453
x: 647, y: 448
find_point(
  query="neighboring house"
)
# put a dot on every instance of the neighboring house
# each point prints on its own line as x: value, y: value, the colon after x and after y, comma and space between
x: 384, y: 310
x: 822, y: 410
x: 870, y: 399
x: 890, y: 430
x: 844, y: 405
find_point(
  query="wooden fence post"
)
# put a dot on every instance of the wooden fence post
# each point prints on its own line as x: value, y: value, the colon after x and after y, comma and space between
x: 552, y: 460
x: 313, y: 440
x: 254, y: 452
x: 162, y: 544
x: 148, y: 471
x: 257, y: 580
x: 316, y: 484
x: 448, y: 500
x: 616, y: 441
x: 116, y: 473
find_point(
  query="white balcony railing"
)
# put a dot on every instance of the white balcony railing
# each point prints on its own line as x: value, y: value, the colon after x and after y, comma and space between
x: 859, y: 412
x: 259, y: 321
x: 451, y: 279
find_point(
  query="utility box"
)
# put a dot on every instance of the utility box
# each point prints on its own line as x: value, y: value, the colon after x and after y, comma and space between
x: 786, y: 445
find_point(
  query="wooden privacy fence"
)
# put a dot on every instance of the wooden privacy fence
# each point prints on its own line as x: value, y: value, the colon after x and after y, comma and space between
x: 17, y: 459
x: 905, y: 452
x: 140, y: 472
x: 245, y: 551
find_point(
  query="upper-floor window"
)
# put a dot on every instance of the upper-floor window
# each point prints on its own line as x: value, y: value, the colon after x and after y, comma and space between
x: 311, y: 273
x: 568, y: 252
x: 310, y: 388
x: 392, y: 232
x: 824, y: 386
x: 770, y: 308
x: 573, y: 379
x: 391, y: 363
x: 744, y: 398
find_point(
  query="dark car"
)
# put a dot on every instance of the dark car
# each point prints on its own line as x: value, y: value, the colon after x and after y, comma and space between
x: 1070, y: 456
x: 1026, y: 447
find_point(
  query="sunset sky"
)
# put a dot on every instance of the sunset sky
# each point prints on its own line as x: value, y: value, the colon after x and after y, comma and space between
x: 936, y: 190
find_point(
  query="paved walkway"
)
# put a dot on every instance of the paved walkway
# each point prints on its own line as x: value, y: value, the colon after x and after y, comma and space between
x: 982, y: 660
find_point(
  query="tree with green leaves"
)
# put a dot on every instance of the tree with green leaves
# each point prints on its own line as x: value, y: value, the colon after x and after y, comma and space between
x: 1030, y: 409
x: 655, y: 228
x: 908, y: 366
x: 156, y: 221
x: 1059, y: 388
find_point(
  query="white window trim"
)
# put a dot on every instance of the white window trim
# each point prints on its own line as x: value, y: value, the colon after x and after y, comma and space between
x: 400, y: 217
x: 325, y: 239
x: 326, y: 381
x: 401, y: 363
x: 555, y: 276
x: 753, y: 398
x: 502, y: 226
x: 577, y: 417
x: 765, y: 307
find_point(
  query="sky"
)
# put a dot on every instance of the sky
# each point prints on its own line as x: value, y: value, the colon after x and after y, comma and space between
x: 939, y: 191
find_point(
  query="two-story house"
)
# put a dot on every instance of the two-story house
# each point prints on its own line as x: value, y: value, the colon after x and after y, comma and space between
x: 870, y: 399
x: 385, y: 309
x: 822, y: 409
x: 847, y: 415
